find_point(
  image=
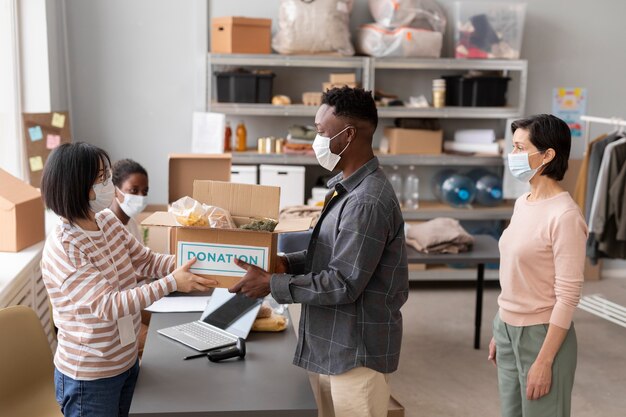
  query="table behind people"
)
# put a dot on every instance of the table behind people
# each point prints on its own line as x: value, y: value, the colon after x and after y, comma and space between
x: 264, y: 384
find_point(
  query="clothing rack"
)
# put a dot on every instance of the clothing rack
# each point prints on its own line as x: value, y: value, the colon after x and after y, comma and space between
x: 614, y: 121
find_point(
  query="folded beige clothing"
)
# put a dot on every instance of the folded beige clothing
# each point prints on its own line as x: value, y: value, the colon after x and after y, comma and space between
x: 297, y: 212
x: 440, y: 235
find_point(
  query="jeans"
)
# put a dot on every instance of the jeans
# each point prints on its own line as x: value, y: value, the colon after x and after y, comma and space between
x: 106, y: 397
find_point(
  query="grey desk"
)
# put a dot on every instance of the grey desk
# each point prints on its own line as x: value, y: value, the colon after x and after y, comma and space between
x: 265, y: 384
x: 485, y: 251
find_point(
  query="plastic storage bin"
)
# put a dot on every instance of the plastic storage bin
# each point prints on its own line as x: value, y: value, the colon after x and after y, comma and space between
x: 244, y: 174
x: 489, y: 30
x: 290, y: 179
x: 476, y: 91
x: 244, y: 87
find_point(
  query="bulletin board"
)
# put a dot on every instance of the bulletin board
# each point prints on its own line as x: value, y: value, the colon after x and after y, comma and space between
x: 43, y: 132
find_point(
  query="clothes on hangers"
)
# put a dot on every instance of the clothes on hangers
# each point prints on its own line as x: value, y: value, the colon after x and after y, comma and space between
x: 603, y: 240
x: 581, y: 181
x: 595, y: 159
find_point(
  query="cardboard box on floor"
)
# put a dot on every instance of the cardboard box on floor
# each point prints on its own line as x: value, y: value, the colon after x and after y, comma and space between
x: 397, y: 141
x: 185, y: 168
x: 215, y: 249
x: 21, y: 214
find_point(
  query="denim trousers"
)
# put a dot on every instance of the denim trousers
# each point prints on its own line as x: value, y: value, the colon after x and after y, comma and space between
x: 106, y: 397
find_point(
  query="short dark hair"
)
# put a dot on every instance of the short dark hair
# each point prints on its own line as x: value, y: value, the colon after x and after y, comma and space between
x: 124, y: 168
x: 69, y: 174
x: 548, y: 131
x: 353, y: 103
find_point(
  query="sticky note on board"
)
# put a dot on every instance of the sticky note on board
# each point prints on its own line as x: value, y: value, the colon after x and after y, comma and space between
x: 58, y: 120
x: 35, y: 133
x: 36, y: 163
x: 52, y: 141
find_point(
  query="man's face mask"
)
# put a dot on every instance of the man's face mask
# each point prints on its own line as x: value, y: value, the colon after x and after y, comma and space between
x: 325, y: 157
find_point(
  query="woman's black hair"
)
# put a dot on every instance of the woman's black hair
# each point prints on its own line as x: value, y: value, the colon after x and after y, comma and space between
x: 69, y: 174
x: 125, y: 168
x: 547, y: 131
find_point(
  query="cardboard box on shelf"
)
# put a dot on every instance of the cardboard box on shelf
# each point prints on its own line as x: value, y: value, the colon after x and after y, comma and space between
x: 241, y: 35
x: 312, y: 98
x: 330, y: 86
x: 397, y: 141
x: 215, y: 249
x: 21, y: 214
x: 343, y: 78
x: 185, y: 168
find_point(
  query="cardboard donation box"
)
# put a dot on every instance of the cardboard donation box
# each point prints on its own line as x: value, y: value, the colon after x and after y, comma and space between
x: 185, y: 168
x: 21, y: 214
x: 397, y: 141
x: 216, y: 249
x: 241, y: 35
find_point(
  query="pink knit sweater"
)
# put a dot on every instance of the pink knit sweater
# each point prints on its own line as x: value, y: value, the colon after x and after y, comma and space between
x: 542, y: 258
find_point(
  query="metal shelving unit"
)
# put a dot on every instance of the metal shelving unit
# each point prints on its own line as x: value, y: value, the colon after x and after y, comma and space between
x: 252, y: 157
x: 431, y: 209
x: 367, y: 67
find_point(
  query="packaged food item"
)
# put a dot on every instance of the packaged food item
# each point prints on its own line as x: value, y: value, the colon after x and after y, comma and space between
x: 189, y: 212
x: 265, y: 311
x: 274, y: 323
x: 265, y: 225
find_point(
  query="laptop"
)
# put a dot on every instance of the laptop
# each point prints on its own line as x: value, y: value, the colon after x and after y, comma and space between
x: 226, y: 318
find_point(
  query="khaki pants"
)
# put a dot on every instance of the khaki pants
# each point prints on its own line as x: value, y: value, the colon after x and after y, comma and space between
x: 360, y: 392
x: 516, y: 351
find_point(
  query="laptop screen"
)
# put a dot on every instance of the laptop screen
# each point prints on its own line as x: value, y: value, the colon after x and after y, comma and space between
x: 230, y: 311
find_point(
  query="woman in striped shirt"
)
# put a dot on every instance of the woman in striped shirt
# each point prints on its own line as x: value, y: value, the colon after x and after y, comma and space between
x: 98, y: 277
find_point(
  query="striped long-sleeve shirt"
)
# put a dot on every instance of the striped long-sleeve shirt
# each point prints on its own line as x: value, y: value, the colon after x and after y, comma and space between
x: 94, y: 279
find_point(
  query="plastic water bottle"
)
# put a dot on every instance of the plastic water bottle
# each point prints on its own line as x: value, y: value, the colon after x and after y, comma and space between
x: 454, y: 189
x: 396, y: 182
x: 411, y: 190
x: 488, y: 187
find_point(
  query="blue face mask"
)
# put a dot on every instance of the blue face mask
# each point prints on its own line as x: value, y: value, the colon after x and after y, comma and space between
x: 519, y: 165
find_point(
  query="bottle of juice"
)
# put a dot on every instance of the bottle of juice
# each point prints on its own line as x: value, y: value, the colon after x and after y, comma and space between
x: 228, y: 136
x: 242, y: 145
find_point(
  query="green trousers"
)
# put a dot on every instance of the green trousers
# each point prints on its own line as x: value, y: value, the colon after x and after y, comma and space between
x: 516, y: 351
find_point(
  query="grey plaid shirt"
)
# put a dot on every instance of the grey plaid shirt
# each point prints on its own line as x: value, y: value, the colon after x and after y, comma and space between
x: 352, y: 280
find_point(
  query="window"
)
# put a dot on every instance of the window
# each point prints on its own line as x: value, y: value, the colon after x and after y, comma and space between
x: 10, y: 114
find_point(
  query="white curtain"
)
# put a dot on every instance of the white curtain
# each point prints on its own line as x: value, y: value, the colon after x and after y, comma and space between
x: 11, y: 147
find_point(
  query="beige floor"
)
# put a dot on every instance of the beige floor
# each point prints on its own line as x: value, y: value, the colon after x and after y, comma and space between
x: 441, y: 374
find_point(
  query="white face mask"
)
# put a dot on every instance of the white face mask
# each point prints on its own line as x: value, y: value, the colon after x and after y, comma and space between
x: 321, y: 146
x: 132, y: 204
x: 519, y: 165
x: 104, y: 196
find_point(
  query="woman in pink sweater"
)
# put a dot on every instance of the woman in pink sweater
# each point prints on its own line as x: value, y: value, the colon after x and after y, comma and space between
x: 541, y: 275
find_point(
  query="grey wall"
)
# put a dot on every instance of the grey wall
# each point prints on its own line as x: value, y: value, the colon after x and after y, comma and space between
x: 137, y: 72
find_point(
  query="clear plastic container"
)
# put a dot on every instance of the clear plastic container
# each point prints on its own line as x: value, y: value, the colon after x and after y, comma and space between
x: 489, y: 30
x: 411, y: 190
x: 396, y: 182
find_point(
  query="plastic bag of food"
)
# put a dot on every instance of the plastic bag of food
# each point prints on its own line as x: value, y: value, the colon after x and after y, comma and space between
x: 313, y: 26
x: 421, y: 14
x: 404, y: 42
x: 189, y: 212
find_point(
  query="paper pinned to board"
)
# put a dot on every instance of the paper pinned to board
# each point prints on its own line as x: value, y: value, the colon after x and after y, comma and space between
x: 35, y: 133
x: 52, y: 141
x: 58, y: 120
x: 208, y: 132
x: 180, y: 304
x: 36, y: 163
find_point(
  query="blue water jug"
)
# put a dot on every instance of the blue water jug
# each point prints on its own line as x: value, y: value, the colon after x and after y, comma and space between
x: 488, y: 187
x: 454, y: 189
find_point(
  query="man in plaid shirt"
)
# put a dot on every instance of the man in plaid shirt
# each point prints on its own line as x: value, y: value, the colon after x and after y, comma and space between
x: 353, y: 279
